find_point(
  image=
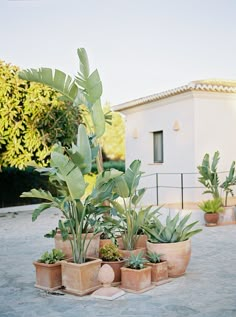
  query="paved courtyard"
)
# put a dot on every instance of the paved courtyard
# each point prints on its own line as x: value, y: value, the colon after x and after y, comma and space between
x: 207, y: 290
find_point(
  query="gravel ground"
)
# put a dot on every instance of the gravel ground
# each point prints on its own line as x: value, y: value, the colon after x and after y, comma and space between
x: 208, y: 289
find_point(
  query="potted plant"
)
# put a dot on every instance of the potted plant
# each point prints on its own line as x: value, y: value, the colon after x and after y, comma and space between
x: 48, y: 270
x: 211, y: 209
x: 210, y: 179
x: 110, y: 254
x: 159, y: 267
x: 129, y: 218
x: 173, y: 241
x: 135, y: 277
x: 67, y: 167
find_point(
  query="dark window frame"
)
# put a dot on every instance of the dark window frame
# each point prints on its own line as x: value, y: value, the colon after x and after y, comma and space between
x: 158, y: 158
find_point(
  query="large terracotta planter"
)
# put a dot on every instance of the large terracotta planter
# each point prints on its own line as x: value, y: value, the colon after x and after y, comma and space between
x: 228, y: 216
x: 159, y: 271
x: 127, y: 253
x: 116, y: 266
x: 211, y: 219
x: 176, y: 254
x: 48, y: 276
x: 65, y: 246
x: 136, y: 281
x: 141, y: 243
x: 81, y: 279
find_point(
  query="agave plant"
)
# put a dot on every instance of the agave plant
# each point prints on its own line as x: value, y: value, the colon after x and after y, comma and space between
x: 66, y: 173
x: 154, y: 257
x: 129, y: 218
x: 175, y: 230
x: 136, y: 262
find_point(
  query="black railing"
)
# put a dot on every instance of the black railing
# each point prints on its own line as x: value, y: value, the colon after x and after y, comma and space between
x: 180, y: 184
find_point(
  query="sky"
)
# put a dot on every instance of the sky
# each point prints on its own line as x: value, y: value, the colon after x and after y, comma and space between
x: 140, y: 47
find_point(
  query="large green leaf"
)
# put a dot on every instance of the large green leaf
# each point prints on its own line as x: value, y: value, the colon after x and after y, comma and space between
x: 98, y: 119
x: 40, y: 209
x: 121, y: 187
x: 39, y: 193
x: 71, y: 174
x: 57, y: 80
x: 84, y: 148
x: 132, y: 176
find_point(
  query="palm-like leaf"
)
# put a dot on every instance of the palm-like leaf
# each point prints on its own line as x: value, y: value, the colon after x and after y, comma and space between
x: 57, y: 80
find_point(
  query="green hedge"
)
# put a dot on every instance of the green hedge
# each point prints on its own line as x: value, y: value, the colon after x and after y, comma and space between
x: 14, y: 181
x: 119, y: 165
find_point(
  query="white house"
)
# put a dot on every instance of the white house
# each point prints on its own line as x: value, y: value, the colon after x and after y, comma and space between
x: 171, y: 131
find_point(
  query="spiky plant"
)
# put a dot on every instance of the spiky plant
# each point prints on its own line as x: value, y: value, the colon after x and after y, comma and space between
x: 154, y: 257
x: 175, y: 230
x: 136, y: 262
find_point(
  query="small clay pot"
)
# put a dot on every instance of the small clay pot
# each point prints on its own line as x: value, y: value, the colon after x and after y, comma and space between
x: 211, y: 219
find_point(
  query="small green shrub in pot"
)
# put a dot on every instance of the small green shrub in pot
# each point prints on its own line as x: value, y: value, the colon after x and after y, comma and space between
x: 52, y: 257
x: 212, y: 206
x: 110, y: 253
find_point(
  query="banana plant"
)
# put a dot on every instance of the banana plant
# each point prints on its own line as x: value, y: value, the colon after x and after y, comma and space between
x: 229, y: 182
x: 66, y: 172
x: 84, y: 90
x: 129, y: 218
x: 209, y: 176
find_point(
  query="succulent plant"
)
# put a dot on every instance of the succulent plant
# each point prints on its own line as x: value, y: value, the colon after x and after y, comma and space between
x: 110, y: 252
x: 154, y: 257
x: 52, y: 257
x: 136, y: 262
x: 175, y: 230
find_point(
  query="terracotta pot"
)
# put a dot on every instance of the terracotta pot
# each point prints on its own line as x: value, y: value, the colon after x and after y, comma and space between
x: 48, y: 276
x: 65, y: 246
x: 176, y: 254
x: 81, y: 279
x: 159, y: 271
x: 103, y: 242
x: 211, y: 219
x: 116, y: 266
x: 126, y: 253
x: 142, y: 241
x: 136, y: 281
x: 120, y: 243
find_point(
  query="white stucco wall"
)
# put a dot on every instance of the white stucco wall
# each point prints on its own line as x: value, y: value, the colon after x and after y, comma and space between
x: 178, y: 145
x: 215, y: 128
x: 207, y: 124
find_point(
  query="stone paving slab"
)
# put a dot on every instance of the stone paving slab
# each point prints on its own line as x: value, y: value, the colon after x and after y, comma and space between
x: 207, y: 290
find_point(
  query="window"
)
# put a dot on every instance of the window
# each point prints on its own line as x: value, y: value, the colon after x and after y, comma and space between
x: 158, y: 147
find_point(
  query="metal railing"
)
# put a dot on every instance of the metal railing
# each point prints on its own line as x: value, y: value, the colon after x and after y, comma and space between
x: 181, y: 177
